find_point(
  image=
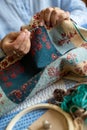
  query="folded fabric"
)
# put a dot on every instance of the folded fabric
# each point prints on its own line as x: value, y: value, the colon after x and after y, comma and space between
x: 43, y: 51
x: 55, y: 53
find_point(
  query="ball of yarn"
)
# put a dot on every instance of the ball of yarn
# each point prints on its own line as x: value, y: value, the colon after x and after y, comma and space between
x: 77, y: 98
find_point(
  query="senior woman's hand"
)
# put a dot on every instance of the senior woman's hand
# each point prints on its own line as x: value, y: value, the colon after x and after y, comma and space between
x: 17, y: 43
x: 53, y: 16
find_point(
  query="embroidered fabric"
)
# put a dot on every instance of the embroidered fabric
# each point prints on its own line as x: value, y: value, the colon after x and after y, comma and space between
x: 68, y: 40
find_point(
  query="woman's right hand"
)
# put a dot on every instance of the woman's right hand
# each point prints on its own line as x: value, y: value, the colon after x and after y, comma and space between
x: 53, y: 16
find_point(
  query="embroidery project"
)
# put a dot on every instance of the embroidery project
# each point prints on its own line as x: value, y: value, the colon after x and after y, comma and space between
x: 55, y: 53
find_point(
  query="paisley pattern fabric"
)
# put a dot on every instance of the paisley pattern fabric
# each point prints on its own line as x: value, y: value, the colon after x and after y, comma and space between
x: 59, y: 52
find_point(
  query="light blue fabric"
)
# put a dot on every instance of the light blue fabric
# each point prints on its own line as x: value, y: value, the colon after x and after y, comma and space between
x: 15, y: 13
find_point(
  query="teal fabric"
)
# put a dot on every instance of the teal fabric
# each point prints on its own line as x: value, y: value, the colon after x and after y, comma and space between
x: 16, y: 75
x: 42, y: 51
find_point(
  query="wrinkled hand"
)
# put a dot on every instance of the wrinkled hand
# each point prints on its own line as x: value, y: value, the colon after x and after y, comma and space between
x: 17, y: 43
x: 53, y: 16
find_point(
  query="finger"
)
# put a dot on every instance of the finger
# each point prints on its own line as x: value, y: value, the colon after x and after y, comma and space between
x: 7, y: 45
x: 11, y: 37
x: 45, y: 15
x: 9, y: 50
x: 42, y: 14
x: 25, y: 46
x: 28, y: 42
x: 57, y: 12
x: 63, y: 16
x: 42, y: 18
x: 19, y: 40
x: 27, y: 49
x: 54, y: 17
x: 8, y: 39
x: 24, y: 27
x: 58, y: 16
x: 14, y: 35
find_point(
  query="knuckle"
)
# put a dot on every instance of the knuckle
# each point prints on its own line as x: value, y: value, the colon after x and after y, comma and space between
x: 54, y: 12
x: 41, y: 13
x: 48, y: 10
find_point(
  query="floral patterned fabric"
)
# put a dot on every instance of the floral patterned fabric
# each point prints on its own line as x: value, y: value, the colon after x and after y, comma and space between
x: 59, y: 52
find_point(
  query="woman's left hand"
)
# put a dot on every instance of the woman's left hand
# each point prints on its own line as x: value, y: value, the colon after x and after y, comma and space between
x: 17, y: 43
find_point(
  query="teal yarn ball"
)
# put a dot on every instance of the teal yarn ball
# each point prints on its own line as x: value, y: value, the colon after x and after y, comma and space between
x: 77, y: 98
